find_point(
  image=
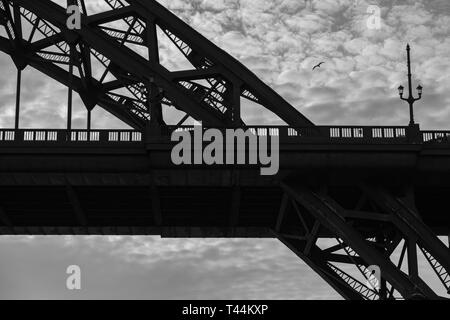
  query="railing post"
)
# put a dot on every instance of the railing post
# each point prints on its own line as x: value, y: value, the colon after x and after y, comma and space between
x: 153, y: 133
x: 60, y: 134
x: 18, y: 135
x: 103, y: 136
x: 367, y: 133
x: 283, y: 133
x: 325, y: 133
x: 413, y: 134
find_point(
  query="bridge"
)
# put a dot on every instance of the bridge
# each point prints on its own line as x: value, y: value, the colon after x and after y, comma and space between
x: 375, y: 190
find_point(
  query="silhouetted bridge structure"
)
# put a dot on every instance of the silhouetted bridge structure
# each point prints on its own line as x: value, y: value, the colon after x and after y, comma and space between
x: 380, y: 192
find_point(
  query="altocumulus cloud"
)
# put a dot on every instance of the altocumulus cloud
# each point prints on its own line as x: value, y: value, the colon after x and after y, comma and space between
x: 154, y: 268
x: 279, y: 40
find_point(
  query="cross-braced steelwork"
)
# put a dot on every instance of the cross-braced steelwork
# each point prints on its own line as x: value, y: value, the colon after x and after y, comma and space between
x: 134, y: 85
x: 346, y: 198
x: 367, y: 233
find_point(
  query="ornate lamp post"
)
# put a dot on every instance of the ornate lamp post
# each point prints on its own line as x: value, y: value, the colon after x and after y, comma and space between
x: 410, y: 98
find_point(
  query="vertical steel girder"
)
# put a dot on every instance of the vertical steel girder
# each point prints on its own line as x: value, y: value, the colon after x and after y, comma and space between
x: 365, y: 238
x: 210, y: 92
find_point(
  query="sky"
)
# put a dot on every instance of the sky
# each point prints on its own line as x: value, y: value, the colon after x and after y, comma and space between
x: 280, y: 41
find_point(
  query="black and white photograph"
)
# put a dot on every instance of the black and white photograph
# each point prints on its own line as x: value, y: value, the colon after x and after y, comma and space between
x: 225, y: 156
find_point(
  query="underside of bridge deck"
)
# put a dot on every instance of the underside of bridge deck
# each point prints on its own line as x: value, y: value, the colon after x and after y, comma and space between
x: 367, y: 223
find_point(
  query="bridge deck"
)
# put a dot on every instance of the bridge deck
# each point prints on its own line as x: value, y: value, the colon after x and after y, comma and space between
x: 115, y: 182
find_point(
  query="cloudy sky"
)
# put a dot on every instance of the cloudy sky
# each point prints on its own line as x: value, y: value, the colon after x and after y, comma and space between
x: 279, y: 40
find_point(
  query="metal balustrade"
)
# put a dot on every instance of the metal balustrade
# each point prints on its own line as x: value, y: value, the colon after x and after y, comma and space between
x: 329, y: 134
x: 49, y: 135
x: 436, y: 136
x: 332, y: 133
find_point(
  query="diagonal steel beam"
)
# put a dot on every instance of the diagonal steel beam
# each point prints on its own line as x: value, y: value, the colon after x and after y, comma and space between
x: 225, y: 67
x: 125, y: 58
x: 316, y: 262
x: 269, y: 98
x: 62, y: 76
x: 303, y: 244
x: 408, y: 221
x: 332, y: 218
x: 196, y: 74
x: 109, y: 16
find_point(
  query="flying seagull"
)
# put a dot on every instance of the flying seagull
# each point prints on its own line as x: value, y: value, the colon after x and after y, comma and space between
x: 318, y: 66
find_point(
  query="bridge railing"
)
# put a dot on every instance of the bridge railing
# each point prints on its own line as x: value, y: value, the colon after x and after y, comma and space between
x: 351, y: 134
x: 435, y: 136
x: 343, y: 133
x: 61, y: 135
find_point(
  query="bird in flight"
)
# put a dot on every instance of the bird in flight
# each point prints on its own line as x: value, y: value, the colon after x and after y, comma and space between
x: 318, y: 65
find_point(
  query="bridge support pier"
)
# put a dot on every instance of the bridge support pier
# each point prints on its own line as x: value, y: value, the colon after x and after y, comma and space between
x: 366, y: 237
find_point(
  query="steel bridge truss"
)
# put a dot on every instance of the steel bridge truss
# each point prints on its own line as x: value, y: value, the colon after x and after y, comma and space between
x: 113, y: 61
x: 380, y: 230
x: 123, y: 43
